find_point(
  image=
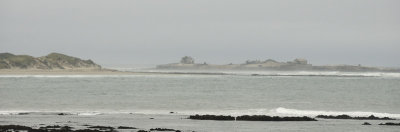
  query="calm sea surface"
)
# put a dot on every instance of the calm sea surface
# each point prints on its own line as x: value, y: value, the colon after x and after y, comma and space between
x: 200, y: 94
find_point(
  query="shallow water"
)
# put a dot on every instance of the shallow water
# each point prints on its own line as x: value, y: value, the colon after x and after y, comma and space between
x: 100, y: 95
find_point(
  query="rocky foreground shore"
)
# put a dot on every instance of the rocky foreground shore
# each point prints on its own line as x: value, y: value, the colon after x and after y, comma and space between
x: 218, y: 118
x: 57, y: 128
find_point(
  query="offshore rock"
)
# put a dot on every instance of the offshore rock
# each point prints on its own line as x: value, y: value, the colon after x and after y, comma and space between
x: 250, y: 118
x: 371, y: 117
x: 390, y: 124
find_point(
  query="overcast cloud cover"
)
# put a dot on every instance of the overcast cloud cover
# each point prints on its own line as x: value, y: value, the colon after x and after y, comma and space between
x: 149, y: 32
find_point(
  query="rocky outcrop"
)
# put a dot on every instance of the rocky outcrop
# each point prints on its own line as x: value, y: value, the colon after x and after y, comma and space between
x: 273, y: 118
x: 57, y: 128
x: 371, y: 117
x: 212, y: 117
x: 366, y: 123
x: 250, y: 118
x: 390, y: 124
x: 51, y: 61
x: 164, y: 129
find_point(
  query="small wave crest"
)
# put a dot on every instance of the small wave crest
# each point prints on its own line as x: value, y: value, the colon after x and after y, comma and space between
x: 239, y: 73
x: 271, y: 112
x: 49, y: 113
x: 319, y: 73
x: 286, y: 111
x: 64, y: 76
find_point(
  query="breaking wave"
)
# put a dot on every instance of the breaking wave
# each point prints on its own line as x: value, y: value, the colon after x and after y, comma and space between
x: 49, y: 113
x: 63, y: 76
x: 286, y: 111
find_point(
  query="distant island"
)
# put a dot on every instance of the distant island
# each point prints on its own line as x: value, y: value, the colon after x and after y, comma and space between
x: 48, y: 62
x: 188, y: 63
x: 57, y: 63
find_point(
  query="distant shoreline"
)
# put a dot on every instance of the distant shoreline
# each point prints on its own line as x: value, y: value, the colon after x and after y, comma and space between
x: 188, y: 63
x: 219, y: 73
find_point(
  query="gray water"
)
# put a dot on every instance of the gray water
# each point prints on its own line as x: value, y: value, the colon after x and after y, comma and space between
x: 98, y: 95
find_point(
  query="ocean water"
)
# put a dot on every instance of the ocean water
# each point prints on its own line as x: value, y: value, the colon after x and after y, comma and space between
x: 117, y: 98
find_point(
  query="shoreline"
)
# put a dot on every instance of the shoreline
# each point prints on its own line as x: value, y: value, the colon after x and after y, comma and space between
x: 221, y: 73
x: 138, y: 122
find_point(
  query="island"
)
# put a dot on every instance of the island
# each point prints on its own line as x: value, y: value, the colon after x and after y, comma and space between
x: 188, y: 63
x: 53, y: 63
x: 57, y: 63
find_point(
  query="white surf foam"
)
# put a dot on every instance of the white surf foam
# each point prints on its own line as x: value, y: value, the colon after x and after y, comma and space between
x: 271, y: 112
x: 241, y: 73
x: 20, y: 112
x: 68, y: 76
x: 316, y: 73
x: 280, y: 73
x: 296, y: 112
x: 88, y: 113
x: 12, y: 112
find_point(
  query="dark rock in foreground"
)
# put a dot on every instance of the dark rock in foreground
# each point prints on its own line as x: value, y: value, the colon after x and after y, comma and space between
x: 56, y: 128
x: 86, y: 130
x: 390, y: 124
x: 250, y: 118
x: 366, y: 123
x: 126, y: 127
x: 4, y: 128
x: 372, y: 117
x: 164, y: 129
x: 212, y: 117
x: 62, y: 114
x: 107, y: 128
x: 273, y: 118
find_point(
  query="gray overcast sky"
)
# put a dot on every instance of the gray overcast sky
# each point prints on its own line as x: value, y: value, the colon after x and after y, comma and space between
x: 148, y: 32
